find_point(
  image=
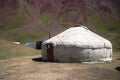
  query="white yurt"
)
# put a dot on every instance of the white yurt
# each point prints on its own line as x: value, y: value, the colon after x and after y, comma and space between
x: 77, y: 44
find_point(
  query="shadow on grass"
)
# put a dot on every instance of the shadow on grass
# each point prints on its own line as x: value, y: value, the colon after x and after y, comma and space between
x: 117, y: 68
x: 118, y: 59
x: 39, y: 59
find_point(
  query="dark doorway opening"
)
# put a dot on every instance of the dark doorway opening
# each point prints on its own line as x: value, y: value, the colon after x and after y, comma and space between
x: 50, y: 52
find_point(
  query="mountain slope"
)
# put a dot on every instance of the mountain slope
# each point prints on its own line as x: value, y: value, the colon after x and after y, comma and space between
x: 30, y: 20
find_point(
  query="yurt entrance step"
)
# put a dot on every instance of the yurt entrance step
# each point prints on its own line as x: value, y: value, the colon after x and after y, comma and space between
x: 50, y: 52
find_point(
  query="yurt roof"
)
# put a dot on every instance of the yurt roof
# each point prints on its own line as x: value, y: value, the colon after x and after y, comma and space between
x: 80, y: 37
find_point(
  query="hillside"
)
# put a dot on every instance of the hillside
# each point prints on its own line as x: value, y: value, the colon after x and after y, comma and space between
x: 10, y: 50
x: 31, y: 20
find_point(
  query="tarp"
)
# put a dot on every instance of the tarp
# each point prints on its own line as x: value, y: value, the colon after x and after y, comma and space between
x: 30, y: 45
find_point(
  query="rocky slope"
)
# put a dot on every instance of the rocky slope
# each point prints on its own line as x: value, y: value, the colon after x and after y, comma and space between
x: 30, y: 20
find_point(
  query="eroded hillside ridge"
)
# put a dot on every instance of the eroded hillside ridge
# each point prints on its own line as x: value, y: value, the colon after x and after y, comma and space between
x: 29, y: 20
x: 61, y: 6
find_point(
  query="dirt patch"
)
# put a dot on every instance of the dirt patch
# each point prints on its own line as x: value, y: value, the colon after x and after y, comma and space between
x: 92, y: 74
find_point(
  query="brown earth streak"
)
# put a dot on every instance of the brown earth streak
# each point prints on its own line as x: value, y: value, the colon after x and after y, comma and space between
x: 31, y: 68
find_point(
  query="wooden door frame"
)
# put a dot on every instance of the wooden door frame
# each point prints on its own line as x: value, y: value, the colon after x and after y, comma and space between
x: 50, y: 52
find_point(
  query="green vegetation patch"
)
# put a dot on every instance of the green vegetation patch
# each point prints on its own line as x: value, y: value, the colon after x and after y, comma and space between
x: 115, y: 39
x: 1, y: 28
x: 63, y: 23
x: 13, y: 22
x: 11, y: 50
x: 25, y: 37
x: 96, y: 22
x: 115, y: 21
x: 15, y: 18
x: 25, y: 9
x: 68, y: 18
x: 46, y: 18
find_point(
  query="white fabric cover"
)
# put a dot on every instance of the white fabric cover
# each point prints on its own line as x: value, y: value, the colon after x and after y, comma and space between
x: 79, y: 44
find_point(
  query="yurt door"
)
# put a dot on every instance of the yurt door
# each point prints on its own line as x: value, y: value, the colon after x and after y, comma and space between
x: 50, y: 50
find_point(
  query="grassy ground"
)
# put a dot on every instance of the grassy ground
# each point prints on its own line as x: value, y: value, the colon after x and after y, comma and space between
x: 25, y: 37
x: 32, y: 68
x: 24, y: 68
x: 10, y: 50
x: 18, y: 62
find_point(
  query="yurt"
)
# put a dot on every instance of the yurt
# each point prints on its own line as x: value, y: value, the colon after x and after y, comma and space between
x: 77, y: 44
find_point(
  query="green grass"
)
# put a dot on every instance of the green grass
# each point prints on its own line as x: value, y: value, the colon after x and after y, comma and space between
x: 9, y: 50
x: 63, y: 23
x: 25, y: 37
x: 114, y: 33
x: 1, y: 28
x: 116, y: 21
x: 14, y: 22
x: 114, y: 38
x: 60, y: 21
x: 96, y: 22
x: 15, y: 18
x: 25, y: 9
x: 46, y: 18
